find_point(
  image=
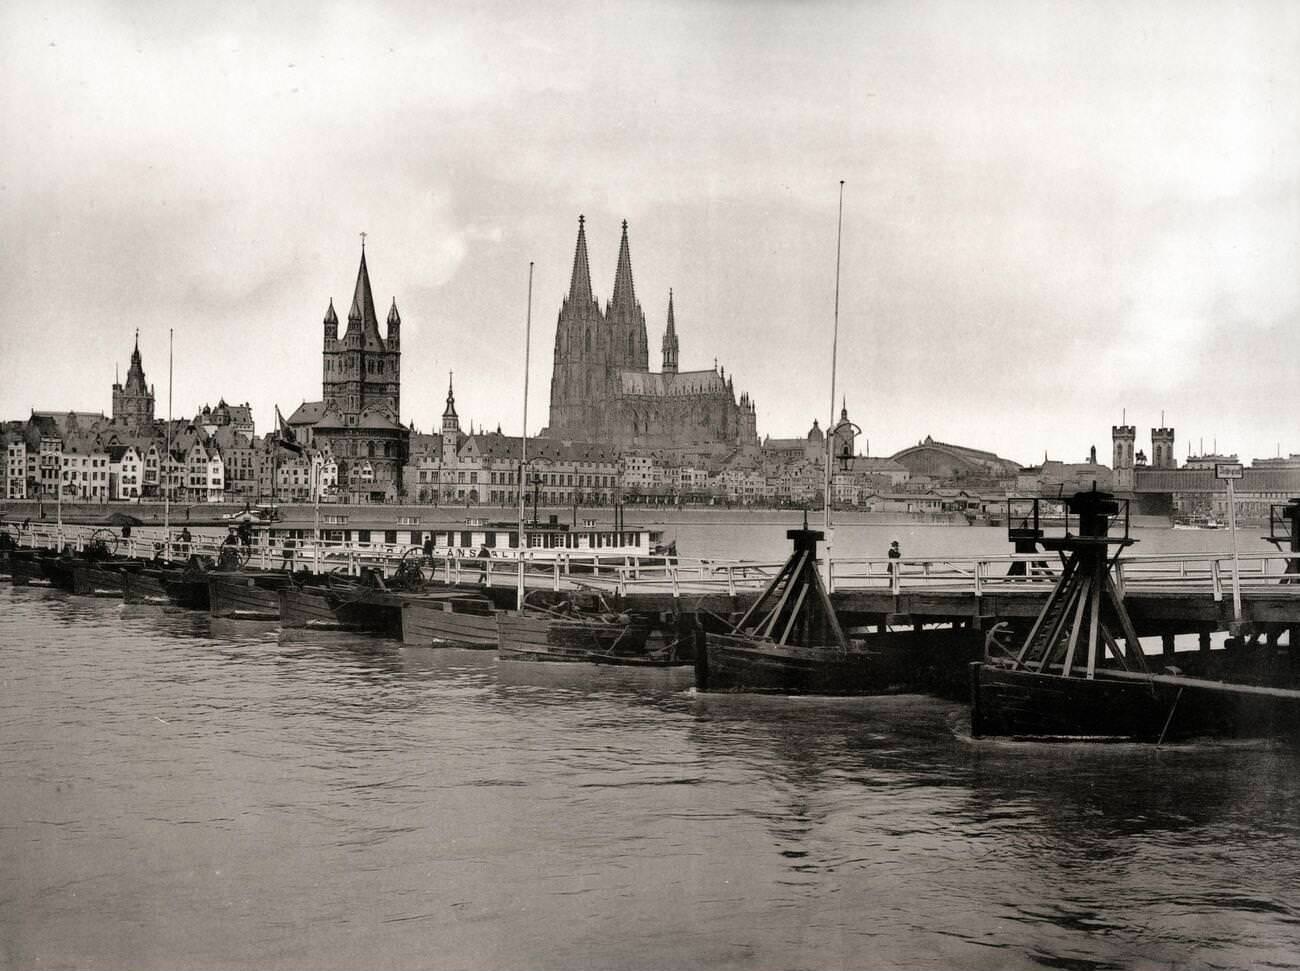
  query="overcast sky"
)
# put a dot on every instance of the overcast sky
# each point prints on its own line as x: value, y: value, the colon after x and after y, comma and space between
x: 1052, y: 212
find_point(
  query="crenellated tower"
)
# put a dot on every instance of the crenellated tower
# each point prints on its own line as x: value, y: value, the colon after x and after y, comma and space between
x: 1162, y: 449
x: 1122, y: 439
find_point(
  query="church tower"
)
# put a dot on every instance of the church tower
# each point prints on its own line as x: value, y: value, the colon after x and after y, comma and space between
x: 670, y: 340
x: 362, y: 369
x: 629, y: 350
x: 133, y: 404
x: 450, y: 427
x: 580, y: 348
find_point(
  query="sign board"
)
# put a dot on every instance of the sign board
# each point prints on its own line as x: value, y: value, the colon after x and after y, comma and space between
x: 1228, y: 470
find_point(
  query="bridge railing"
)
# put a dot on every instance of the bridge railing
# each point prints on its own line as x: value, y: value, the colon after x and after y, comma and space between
x: 978, y: 575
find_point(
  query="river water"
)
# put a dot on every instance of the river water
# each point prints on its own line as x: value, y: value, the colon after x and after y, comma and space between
x: 180, y: 792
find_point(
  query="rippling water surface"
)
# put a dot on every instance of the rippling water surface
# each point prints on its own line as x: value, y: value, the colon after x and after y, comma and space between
x: 179, y: 792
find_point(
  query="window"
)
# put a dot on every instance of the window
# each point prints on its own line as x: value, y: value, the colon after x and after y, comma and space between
x: 588, y: 342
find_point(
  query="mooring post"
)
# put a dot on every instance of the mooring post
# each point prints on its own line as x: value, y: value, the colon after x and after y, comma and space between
x: 1167, y: 645
x: 1204, y: 640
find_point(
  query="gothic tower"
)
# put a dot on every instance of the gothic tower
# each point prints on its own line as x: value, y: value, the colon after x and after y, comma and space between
x: 133, y: 403
x: 579, y: 349
x: 670, y: 340
x: 362, y: 369
x: 629, y: 350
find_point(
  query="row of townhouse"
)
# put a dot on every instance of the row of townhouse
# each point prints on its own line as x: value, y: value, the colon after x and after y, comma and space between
x: 50, y: 456
x: 485, y: 469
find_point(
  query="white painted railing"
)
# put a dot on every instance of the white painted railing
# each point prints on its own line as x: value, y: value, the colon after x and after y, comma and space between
x: 978, y: 575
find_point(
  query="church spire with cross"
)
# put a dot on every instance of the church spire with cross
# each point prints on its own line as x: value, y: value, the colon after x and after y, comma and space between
x: 670, y: 340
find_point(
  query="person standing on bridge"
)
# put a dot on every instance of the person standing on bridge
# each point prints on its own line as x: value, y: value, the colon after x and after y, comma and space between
x: 895, y: 554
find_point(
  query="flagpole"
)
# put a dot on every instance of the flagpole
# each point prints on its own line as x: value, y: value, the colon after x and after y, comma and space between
x: 523, y: 441
x: 317, y: 469
x: 167, y: 460
x: 835, y: 343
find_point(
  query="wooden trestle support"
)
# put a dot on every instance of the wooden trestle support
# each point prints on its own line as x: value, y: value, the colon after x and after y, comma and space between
x: 1073, y: 678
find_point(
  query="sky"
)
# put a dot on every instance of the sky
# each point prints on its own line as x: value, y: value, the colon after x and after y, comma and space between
x: 1054, y: 214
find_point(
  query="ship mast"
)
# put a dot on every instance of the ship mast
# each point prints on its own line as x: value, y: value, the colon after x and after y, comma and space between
x: 835, y: 341
x: 523, y: 443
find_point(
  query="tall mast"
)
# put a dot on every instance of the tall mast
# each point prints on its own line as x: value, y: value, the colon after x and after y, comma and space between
x: 167, y: 460
x: 835, y: 343
x: 523, y: 441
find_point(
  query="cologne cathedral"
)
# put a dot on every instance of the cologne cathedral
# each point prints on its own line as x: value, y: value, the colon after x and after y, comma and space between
x: 602, y: 388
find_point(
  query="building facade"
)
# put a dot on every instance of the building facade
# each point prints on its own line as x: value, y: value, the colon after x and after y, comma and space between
x: 602, y: 388
x: 357, y: 419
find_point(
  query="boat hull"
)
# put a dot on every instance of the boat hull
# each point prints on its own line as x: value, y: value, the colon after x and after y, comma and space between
x: 1027, y: 704
x: 59, y: 571
x: 339, y: 608
x: 92, y: 581
x: 732, y: 662
x: 245, y: 596
x: 25, y: 570
x: 186, y: 589
x: 528, y: 638
x: 436, y: 621
x: 144, y: 586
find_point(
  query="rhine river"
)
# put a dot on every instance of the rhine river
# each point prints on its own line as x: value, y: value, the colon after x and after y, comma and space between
x: 177, y: 792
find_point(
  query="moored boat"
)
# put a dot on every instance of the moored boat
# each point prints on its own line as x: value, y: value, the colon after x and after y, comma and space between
x: 245, y: 595
x: 336, y: 604
x: 101, y: 579
x: 144, y: 586
x: 789, y: 641
x: 556, y: 637
x: 1072, y: 678
x: 25, y: 569
x: 454, y: 619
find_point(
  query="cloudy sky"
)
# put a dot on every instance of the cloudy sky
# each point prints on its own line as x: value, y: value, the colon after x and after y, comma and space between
x: 1052, y: 212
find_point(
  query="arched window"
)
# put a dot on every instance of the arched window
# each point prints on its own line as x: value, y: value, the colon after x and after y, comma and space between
x: 588, y: 342
x: 370, y: 450
x: 631, y: 346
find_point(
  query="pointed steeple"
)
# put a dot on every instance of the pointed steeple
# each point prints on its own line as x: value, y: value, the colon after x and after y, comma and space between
x: 362, y: 312
x: 624, y: 294
x: 670, y: 340
x: 580, y: 280
x: 330, y: 316
x: 393, y: 316
x: 135, y: 373
x: 450, y: 412
x: 844, y: 408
